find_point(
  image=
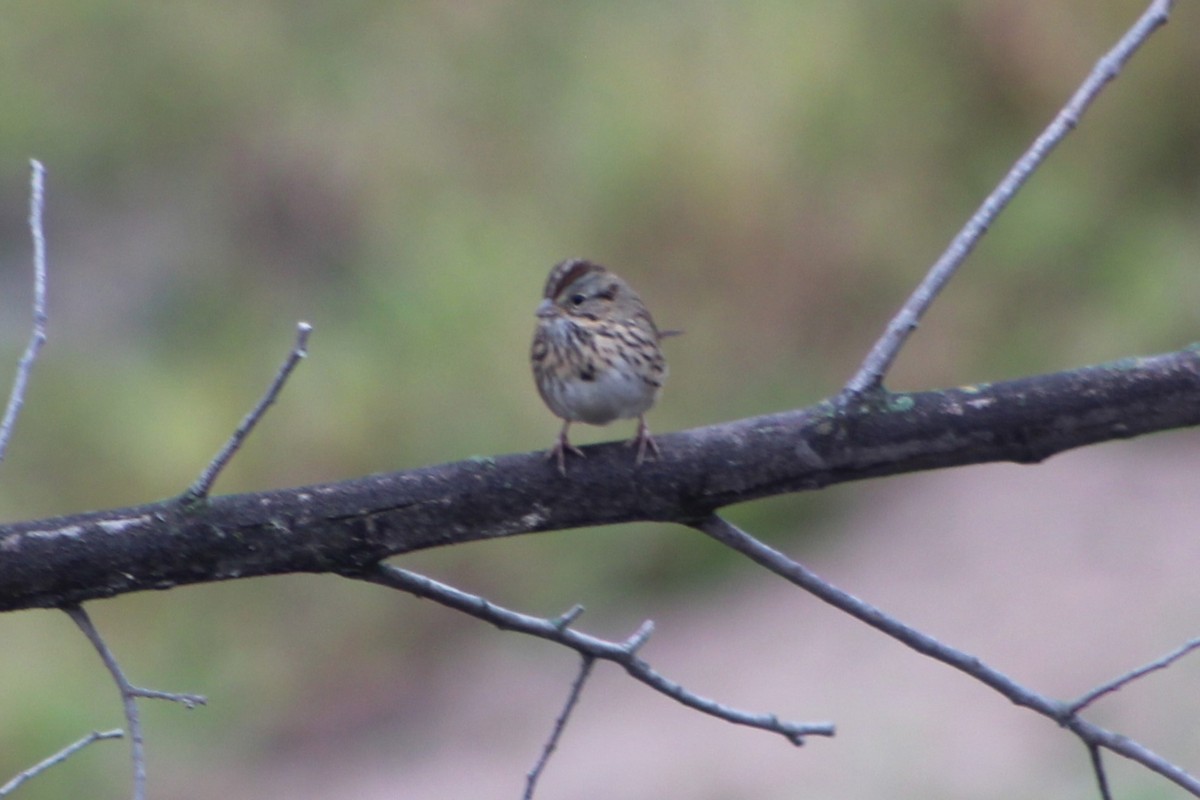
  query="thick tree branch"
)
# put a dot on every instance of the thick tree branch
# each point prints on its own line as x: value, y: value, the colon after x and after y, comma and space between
x: 349, y: 526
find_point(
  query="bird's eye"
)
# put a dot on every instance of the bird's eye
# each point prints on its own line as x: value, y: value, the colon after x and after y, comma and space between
x: 577, y: 299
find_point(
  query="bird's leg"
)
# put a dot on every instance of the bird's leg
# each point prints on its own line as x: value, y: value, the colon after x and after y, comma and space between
x: 644, y: 441
x: 559, y: 451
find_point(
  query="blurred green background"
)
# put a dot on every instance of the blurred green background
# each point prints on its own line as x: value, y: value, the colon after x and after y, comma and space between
x: 773, y: 177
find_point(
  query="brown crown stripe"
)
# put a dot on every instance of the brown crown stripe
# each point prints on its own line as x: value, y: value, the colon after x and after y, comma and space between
x: 567, y: 273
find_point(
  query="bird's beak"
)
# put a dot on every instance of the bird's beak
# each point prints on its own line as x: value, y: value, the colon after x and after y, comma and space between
x: 546, y: 309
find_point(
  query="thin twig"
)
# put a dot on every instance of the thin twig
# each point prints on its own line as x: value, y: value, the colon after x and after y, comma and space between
x: 877, y: 363
x: 1113, y: 685
x: 132, y: 719
x: 622, y: 653
x: 200, y: 488
x: 1061, y: 713
x: 58, y: 758
x: 37, y: 203
x: 766, y: 556
x: 1098, y: 768
x: 560, y: 724
x: 129, y: 695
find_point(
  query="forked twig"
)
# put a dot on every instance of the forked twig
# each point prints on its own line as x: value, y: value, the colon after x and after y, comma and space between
x: 1061, y: 713
x: 559, y: 630
x: 57, y: 758
x: 37, y: 203
x: 560, y: 724
x: 129, y: 695
x: 1117, y: 683
x: 877, y: 363
x: 203, y: 484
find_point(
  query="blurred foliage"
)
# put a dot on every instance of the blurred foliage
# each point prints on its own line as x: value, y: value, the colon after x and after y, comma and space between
x: 774, y: 177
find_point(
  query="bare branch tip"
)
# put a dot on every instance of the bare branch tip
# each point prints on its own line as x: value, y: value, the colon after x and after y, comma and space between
x: 58, y: 758
x: 303, y: 329
x: 568, y: 617
x: 37, y: 194
x: 635, y: 642
x: 188, y: 701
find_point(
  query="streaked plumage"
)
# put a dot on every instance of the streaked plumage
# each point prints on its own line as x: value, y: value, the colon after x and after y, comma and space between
x: 595, y: 354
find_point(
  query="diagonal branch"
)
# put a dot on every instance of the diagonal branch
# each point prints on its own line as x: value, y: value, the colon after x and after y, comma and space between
x: 1063, y: 714
x: 560, y: 724
x: 877, y: 363
x: 56, y: 759
x: 559, y: 631
x: 1097, y: 757
x: 1133, y: 675
x: 37, y: 202
x: 199, y: 489
x: 764, y: 555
